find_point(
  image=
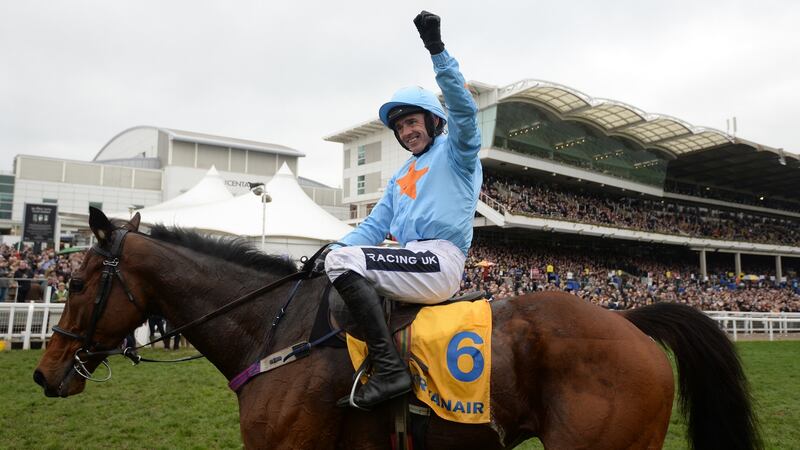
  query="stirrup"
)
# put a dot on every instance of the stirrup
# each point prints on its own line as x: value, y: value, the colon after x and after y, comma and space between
x: 356, y: 382
x: 349, y: 400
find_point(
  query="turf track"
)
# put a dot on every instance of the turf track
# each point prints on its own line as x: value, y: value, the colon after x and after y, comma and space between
x: 189, y: 406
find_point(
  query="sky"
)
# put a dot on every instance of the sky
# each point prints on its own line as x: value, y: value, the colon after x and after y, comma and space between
x: 73, y: 74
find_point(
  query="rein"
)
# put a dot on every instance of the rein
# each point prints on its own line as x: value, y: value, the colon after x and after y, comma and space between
x: 111, y: 272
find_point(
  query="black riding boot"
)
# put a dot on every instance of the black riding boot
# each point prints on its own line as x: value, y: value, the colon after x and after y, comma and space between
x: 389, y: 375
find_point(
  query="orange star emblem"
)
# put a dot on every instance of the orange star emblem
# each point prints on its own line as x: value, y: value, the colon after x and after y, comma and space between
x: 408, y: 184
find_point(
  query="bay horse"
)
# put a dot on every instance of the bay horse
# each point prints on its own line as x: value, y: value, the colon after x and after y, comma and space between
x: 568, y: 372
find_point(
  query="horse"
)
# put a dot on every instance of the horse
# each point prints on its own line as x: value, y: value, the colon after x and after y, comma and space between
x: 568, y: 372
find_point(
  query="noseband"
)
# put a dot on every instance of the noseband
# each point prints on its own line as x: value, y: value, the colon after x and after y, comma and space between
x: 111, y: 271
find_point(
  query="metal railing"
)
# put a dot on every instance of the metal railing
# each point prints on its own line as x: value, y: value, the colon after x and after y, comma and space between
x: 752, y: 323
x: 26, y: 322
x: 494, y: 204
x: 33, y: 322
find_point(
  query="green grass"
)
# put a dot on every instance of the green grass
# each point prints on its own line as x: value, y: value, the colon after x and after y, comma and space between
x: 156, y: 406
x: 187, y: 405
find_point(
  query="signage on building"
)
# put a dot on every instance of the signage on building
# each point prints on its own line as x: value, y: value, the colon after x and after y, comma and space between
x: 40, y: 222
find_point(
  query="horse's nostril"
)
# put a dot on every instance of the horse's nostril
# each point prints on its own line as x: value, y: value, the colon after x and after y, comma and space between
x: 38, y: 377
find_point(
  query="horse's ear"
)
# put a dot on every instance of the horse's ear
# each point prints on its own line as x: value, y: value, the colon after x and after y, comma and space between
x: 134, y: 222
x: 99, y: 223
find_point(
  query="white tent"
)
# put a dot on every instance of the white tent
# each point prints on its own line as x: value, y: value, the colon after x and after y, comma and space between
x: 210, y: 189
x: 295, y: 225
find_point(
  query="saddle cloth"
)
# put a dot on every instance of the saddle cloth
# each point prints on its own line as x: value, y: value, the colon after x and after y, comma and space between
x: 449, y: 351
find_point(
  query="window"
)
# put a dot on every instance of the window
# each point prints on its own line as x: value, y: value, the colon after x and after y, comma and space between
x: 53, y: 201
x: 360, y: 183
x: 98, y: 205
x: 370, y: 207
x: 369, y: 153
x: 362, y: 155
x: 6, y: 200
x: 354, y: 211
x: 372, y: 152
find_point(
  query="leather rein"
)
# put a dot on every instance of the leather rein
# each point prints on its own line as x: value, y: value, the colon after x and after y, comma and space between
x: 111, y: 271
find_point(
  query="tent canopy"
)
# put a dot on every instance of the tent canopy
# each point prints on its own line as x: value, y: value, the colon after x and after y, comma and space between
x: 291, y: 213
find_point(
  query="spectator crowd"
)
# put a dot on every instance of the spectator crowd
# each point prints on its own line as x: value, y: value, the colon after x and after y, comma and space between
x: 619, y: 282
x: 25, y: 274
x: 613, y: 280
x: 540, y: 199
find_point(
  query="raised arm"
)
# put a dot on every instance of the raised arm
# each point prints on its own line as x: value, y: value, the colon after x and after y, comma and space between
x: 462, y: 112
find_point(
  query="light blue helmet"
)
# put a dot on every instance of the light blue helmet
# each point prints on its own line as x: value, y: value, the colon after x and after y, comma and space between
x: 415, y: 98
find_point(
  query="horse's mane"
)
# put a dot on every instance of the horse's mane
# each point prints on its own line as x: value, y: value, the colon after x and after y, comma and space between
x: 235, y: 250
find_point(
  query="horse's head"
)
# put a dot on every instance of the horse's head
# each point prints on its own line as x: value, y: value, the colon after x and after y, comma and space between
x: 104, y: 305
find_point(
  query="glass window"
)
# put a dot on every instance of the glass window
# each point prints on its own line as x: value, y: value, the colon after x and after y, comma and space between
x: 53, y: 201
x: 361, y: 183
x: 362, y: 155
x: 354, y: 211
x: 370, y: 207
x: 7, y: 188
x: 527, y: 129
x: 98, y: 205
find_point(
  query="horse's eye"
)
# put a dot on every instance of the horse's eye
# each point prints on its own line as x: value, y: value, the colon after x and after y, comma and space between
x: 75, y: 285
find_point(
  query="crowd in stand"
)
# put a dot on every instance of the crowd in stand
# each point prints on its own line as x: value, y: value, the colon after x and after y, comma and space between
x: 539, y: 199
x: 25, y: 273
x: 614, y: 282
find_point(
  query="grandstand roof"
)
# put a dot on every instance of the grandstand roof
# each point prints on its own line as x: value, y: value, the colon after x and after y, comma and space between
x: 741, y: 166
x: 698, y: 154
x: 355, y: 132
x: 210, y: 139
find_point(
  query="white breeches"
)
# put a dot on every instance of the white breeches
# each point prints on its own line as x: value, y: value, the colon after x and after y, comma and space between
x: 425, y: 272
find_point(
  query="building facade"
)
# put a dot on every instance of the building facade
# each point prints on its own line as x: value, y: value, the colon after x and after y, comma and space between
x: 143, y: 166
x: 546, y: 132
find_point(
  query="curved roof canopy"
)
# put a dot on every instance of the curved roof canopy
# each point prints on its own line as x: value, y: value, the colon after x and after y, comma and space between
x: 209, y: 139
x: 667, y: 133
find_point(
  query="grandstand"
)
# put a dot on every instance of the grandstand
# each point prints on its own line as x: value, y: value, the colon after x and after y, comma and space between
x: 607, y: 193
x: 619, y: 206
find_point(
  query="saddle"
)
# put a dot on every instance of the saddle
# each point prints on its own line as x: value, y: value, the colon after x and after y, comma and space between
x: 399, y: 314
x: 411, y: 416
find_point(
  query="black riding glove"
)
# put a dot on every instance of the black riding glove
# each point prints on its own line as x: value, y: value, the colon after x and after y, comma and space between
x: 428, y: 27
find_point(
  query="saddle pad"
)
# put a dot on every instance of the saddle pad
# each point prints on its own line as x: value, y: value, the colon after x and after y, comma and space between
x: 450, y: 359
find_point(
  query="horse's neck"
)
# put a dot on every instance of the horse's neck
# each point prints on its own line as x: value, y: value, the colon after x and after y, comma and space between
x: 233, y: 340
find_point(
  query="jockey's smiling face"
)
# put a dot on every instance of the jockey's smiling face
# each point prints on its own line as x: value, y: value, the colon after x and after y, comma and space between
x: 411, y: 130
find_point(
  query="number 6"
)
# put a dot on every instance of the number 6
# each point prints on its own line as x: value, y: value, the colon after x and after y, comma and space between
x: 453, y: 353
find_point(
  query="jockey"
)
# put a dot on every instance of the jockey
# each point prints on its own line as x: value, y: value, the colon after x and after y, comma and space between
x: 428, y: 206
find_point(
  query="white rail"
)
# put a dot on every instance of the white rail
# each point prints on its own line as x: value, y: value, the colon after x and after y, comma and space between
x: 751, y: 323
x: 24, y: 322
x: 33, y: 322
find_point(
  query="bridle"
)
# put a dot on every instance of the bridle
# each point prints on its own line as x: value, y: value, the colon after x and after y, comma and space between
x: 111, y: 271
